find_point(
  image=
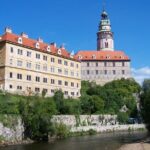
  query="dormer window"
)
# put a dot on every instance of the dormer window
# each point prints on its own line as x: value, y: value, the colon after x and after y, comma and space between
x: 48, y: 48
x: 79, y: 57
x: 20, y: 40
x: 37, y: 45
x: 93, y: 56
x: 107, y: 57
x: 59, y: 51
x: 121, y: 57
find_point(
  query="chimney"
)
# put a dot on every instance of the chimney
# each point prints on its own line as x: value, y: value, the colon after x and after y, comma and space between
x: 24, y: 35
x: 53, y: 44
x: 40, y: 40
x: 8, y: 30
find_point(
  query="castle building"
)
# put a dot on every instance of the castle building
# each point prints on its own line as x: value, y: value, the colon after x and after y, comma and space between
x: 31, y: 66
x: 104, y: 64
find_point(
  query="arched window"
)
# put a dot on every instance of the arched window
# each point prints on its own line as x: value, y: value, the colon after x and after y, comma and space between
x: 106, y: 44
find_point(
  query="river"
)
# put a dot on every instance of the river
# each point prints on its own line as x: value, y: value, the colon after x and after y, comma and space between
x: 109, y: 141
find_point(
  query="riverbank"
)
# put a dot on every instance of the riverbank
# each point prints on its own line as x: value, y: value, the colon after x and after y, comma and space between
x: 136, y: 146
x: 143, y: 145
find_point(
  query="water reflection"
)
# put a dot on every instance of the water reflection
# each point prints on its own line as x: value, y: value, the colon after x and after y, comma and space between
x: 109, y: 141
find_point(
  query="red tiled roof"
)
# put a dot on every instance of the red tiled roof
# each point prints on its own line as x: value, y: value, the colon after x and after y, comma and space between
x: 27, y: 42
x: 101, y: 55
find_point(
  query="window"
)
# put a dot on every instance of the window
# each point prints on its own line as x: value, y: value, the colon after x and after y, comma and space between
x: 59, y: 61
x: 114, y: 64
x: 114, y: 72
x: 44, y: 67
x: 77, y: 85
x: 52, y: 69
x: 11, y: 49
x: 52, y: 91
x: 59, y: 82
x: 59, y: 70
x: 123, y: 64
x: 66, y: 83
x: 77, y: 74
x: 105, y: 72
x: 28, y: 65
x: 105, y: 64
x: 20, y: 52
x: 29, y: 77
x: 106, y: 44
x: 65, y: 63
x: 72, y: 64
x: 52, y: 59
x: 77, y: 66
x: 44, y: 80
x: 20, y: 40
x: 66, y: 92
x: 48, y: 48
x: 66, y: 72
x: 37, y: 89
x: 96, y: 72
x: 96, y: 64
x: 11, y: 75
x: 88, y: 72
x: 28, y: 54
x: 37, y: 45
x: 72, y: 73
x: 88, y: 64
x: 37, y: 67
x: 72, y: 93
x: 19, y: 63
x: 11, y: 61
x: 123, y: 71
x: 19, y: 87
x: 94, y: 56
x: 37, y: 79
x: 10, y: 86
x: 59, y: 51
x: 19, y: 76
x: 45, y: 58
x: 52, y: 81
x: 72, y: 84
x: 37, y: 56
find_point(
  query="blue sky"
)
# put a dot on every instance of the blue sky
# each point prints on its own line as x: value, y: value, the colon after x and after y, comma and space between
x: 75, y: 23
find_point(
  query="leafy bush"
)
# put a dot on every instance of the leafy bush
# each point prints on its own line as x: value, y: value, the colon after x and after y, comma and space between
x: 122, y: 118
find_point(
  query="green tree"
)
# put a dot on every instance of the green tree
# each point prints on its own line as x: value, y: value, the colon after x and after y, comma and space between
x: 59, y: 100
x: 36, y: 114
x: 145, y: 102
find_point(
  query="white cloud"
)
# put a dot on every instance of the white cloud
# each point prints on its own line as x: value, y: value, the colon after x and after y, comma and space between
x: 141, y: 74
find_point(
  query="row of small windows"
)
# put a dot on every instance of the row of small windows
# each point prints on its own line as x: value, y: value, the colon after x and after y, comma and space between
x: 37, y: 90
x: 45, y: 68
x: 37, y: 45
x: 106, y: 64
x: 97, y: 72
x: 45, y: 80
x: 38, y: 56
x: 102, y: 57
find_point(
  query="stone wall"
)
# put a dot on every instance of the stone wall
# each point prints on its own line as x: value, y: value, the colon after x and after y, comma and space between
x: 99, y: 123
x: 13, y: 130
x: 85, y: 120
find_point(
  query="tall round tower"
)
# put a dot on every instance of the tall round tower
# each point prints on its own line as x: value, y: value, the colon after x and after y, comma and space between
x: 105, y: 39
